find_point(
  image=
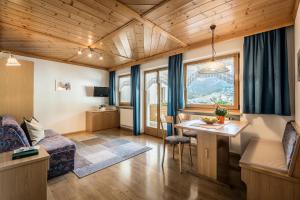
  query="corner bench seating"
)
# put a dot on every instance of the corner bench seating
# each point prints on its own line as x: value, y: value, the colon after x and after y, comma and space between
x: 61, y: 149
x: 271, y: 169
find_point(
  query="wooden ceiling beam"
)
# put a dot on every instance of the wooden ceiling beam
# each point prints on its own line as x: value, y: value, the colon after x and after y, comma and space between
x: 20, y: 53
x: 112, y: 34
x: 243, y: 33
x: 155, y: 7
x: 122, y: 8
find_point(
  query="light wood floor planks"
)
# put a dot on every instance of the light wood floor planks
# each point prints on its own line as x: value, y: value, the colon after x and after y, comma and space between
x: 142, y: 178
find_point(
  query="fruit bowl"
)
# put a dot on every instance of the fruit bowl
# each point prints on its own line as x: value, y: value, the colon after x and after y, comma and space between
x: 209, y: 120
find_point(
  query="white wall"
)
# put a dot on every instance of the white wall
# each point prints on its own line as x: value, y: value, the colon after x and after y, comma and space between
x: 262, y: 126
x: 126, y: 118
x: 297, y: 85
x: 65, y: 111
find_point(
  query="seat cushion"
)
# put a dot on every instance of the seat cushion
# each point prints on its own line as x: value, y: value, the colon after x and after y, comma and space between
x: 62, y: 153
x: 176, y: 139
x: 265, y: 154
x: 50, y: 133
x: 54, y: 142
x: 190, y: 133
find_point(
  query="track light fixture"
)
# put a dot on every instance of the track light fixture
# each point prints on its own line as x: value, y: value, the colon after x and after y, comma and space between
x: 91, y: 52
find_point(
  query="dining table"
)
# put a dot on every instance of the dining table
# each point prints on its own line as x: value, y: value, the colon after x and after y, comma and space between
x: 213, y: 141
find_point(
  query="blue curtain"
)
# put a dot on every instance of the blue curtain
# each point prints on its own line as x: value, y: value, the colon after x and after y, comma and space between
x: 112, y: 86
x: 175, y: 87
x: 266, y: 81
x: 135, y: 98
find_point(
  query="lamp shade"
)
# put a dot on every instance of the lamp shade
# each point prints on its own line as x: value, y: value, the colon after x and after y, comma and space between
x: 213, y: 67
x: 12, y: 61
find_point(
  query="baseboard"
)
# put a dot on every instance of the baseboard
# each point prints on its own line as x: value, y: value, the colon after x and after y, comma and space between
x: 75, y: 132
x: 126, y: 128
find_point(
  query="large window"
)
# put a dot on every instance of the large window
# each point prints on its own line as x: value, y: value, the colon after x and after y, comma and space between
x: 124, y: 90
x: 206, y: 90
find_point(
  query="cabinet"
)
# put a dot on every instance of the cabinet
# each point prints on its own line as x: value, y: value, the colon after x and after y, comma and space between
x: 24, y: 178
x: 101, y: 120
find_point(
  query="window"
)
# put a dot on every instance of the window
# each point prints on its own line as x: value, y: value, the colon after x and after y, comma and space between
x: 124, y: 90
x: 206, y: 90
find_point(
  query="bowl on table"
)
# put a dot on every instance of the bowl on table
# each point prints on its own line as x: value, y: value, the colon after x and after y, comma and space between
x: 209, y: 120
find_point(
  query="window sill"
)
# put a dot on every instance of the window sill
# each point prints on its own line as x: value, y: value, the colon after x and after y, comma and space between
x: 199, y: 111
x: 125, y: 107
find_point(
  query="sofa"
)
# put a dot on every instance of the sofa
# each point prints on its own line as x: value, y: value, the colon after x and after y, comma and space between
x: 271, y: 169
x: 61, y: 149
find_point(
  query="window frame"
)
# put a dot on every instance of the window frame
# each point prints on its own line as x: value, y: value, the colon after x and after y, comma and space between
x: 236, y: 60
x: 119, y: 93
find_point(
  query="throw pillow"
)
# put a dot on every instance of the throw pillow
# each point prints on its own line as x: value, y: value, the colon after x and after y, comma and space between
x: 36, y: 130
x: 24, y: 127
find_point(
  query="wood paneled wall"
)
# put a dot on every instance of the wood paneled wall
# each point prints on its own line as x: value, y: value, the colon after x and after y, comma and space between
x: 16, y: 89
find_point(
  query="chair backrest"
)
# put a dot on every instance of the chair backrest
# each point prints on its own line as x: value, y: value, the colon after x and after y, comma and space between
x: 291, y: 145
x: 183, y: 117
x: 167, y: 120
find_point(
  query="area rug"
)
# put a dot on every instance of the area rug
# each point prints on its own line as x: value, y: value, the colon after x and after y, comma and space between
x: 97, y: 153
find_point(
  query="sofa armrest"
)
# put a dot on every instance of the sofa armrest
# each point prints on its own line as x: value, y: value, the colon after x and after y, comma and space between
x: 11, y: 139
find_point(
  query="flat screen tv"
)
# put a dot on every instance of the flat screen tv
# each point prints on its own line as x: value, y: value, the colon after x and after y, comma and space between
x: 101, y: 91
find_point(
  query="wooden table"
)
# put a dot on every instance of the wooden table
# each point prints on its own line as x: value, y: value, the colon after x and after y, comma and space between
x: 213, y: 146
x: 24, y: 178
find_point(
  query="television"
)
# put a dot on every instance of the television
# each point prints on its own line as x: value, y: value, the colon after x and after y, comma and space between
x: 101, y: 91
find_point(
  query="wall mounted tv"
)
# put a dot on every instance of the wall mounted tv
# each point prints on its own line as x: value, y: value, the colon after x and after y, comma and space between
x: 101, y: 91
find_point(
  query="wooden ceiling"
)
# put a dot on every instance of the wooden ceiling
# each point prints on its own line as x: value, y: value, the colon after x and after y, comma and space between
x: 128, y: 32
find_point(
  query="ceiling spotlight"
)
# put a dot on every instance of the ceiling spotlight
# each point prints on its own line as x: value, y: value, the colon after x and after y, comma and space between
x: 79, y: 52
x: 90, y: 53
x: 101, y: 58
x: 12, y: 61
x: 90, y: 41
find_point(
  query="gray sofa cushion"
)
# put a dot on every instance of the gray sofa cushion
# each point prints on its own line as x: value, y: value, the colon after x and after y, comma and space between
x: 62, y: 153
x: 54, y: 142
x: 289, y: 140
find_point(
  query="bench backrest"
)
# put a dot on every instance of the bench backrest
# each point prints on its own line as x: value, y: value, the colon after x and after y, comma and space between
x: 291, y: 144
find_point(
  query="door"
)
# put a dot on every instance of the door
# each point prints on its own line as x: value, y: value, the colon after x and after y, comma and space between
x: 155, y: 100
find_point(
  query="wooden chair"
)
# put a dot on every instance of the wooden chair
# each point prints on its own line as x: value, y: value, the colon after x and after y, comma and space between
x: 187, y: 133
x: 174, y: 140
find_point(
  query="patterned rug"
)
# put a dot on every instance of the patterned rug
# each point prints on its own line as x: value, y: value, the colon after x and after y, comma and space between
x: 97, y: 153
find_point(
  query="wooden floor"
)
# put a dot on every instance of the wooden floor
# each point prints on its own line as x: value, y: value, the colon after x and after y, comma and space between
x: 142, y: 177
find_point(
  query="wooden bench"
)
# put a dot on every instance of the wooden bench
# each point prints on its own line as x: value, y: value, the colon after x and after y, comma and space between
x: 271, y: 169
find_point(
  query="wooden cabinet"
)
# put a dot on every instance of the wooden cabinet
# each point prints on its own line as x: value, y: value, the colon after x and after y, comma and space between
x: 24, y: 178
x: 101, y: 120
